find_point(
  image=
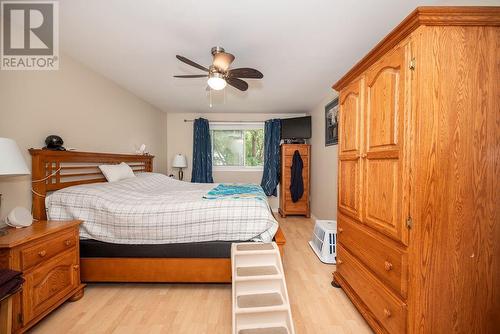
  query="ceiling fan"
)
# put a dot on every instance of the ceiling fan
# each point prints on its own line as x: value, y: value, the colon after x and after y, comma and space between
x: 219, y: 74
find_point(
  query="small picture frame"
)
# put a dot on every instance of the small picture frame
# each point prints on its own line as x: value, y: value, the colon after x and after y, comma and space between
x: 332, y: 123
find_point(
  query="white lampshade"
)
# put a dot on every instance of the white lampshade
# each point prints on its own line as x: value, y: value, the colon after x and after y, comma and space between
x: 180, y: 161
x: 11, y: 158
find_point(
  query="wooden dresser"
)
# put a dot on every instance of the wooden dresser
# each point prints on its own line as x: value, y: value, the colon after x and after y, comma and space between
x: 48, y: 255
x: 287, y: 206
x: 418, y: 186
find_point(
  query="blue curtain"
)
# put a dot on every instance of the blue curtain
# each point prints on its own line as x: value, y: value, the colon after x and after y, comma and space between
x: 272, y: 138
x: 202, y: 152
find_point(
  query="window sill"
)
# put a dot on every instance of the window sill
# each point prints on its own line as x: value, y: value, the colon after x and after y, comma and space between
x: 237, y: 169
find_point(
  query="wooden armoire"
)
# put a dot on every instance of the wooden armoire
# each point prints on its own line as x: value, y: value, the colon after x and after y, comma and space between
x: 287, y: 206
x: 419, y: 171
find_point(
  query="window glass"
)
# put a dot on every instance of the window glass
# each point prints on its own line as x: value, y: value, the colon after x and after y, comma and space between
x: 227, y: 147
x: 254, y: 147
x: 238, y: 145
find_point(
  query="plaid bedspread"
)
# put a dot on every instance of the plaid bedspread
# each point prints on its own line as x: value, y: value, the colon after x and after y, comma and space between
x: 155, y: 209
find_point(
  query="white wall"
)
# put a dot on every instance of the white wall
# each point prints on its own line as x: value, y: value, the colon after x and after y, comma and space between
x: 180, y: 140
x: 90, y: 112
x: 323, y: 166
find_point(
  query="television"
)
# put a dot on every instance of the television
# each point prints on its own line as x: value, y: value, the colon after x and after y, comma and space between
x: 296, y: 128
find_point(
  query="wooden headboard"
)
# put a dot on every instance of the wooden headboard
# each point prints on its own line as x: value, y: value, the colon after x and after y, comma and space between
x: 54, y: 170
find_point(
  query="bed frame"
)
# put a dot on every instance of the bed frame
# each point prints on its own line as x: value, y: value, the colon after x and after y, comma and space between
x: 61, y: 169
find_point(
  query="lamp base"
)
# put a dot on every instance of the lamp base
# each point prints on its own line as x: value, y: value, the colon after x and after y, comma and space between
x: 181, y: 174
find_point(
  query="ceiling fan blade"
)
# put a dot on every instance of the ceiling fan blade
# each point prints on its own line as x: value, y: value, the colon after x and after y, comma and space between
x: 191, y: 76
x: 245, y: 72
x: 192, y: 63
x: 222, y: 60
x: 237, y: 83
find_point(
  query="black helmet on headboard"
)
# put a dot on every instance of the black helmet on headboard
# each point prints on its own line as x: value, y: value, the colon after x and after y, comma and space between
x: 55, y: 143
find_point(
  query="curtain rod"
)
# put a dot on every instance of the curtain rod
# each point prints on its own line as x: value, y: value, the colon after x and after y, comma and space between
x: 192, y: 120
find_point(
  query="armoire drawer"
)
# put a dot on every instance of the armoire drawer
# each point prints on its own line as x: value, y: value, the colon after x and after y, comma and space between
x: 387, y: 262
x: 387, y: 308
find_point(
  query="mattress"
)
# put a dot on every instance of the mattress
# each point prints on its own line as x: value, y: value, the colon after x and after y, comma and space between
x: 208, y: 249
x: 155, y: 209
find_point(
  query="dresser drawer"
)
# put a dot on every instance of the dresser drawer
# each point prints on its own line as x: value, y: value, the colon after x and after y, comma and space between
x: 288, y: 174
x: 289, y: 161
x: 288, y: 195
x: 386, y: 307
x: 297, y: 207
x: 33, y: 255
x: 387, y: 262
x: 290, y: 150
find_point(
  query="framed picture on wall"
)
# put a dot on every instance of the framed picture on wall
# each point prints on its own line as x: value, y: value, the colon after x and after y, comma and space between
x: 332, y: 123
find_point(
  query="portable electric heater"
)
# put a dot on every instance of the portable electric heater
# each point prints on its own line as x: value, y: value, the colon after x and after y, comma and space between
x: 324, y: 240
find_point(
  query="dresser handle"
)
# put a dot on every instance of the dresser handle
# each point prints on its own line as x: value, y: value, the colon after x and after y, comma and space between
x: 388, y: 266
x: 340, y: 230
x: 339, y: 261
x: 42, y: 253
x: 76, y: 266
x: 387, y: 313
x: 363, y: 155
x: 67, y: 242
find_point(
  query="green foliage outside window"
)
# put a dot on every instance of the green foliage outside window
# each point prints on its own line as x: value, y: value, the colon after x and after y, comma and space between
x: 254, y: 147
x: 239, y: 148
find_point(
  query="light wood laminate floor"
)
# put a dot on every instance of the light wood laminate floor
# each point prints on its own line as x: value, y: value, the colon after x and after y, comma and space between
x: 317, y: 307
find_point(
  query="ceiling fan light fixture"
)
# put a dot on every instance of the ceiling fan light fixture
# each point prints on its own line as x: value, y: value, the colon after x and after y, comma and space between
x: 216, y: 81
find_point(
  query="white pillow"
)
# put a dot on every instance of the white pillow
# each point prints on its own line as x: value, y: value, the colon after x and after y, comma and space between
x: 114, y: 173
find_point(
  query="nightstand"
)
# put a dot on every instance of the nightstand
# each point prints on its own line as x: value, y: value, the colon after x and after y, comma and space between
x: 48, y: 254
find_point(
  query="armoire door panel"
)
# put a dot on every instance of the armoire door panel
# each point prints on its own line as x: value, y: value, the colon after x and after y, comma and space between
x: 383, y: 155
x: 350, y: 119
x: 384, y: 101
x: 382, y: 111
x: 349, y: 187
x: 382, y: 201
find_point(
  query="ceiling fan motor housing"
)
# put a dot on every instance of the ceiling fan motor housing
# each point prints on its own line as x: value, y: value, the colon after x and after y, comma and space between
x: 217, y: 49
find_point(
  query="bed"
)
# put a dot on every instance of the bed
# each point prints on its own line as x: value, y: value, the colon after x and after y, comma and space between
x: 147, y: 229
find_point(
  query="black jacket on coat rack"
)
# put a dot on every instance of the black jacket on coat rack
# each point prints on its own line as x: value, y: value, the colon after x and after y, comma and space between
x: 296, y: 181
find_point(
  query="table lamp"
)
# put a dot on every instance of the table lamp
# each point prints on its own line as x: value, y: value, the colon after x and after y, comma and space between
x: 11, y: 164
x: 180, y: 162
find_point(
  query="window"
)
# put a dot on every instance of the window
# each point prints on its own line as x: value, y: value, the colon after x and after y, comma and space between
x: 237, y: 146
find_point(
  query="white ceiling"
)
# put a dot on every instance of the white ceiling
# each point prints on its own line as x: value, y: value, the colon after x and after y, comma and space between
x: 302, y: 47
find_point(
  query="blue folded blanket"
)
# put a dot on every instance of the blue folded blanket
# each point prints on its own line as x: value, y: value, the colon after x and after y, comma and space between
x: 235, y: 191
